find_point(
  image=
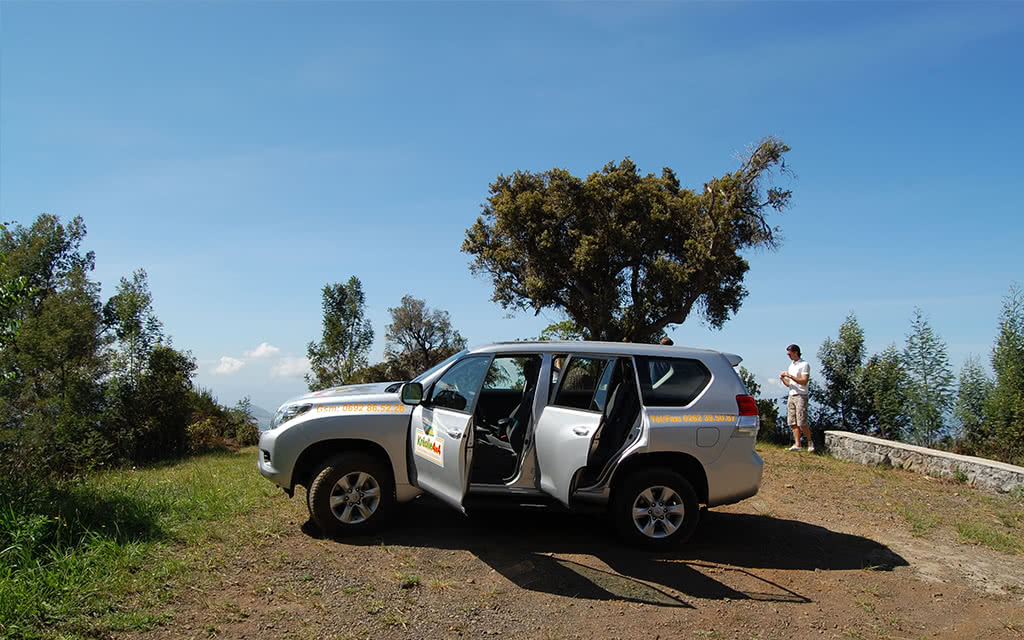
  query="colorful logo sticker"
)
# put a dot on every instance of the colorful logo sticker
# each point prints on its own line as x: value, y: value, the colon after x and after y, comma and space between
x: 429, y: 447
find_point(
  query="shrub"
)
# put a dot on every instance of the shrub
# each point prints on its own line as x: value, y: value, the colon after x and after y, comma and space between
x: 204, y: 435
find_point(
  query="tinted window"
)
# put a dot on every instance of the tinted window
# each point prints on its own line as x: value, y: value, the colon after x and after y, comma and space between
x: 509, y: 373
x: 458, y: 387
x: 603, y: 387
x: 671, y: 382
x: 440, y: 365
x: 557, y: 363
x: 579, y: 383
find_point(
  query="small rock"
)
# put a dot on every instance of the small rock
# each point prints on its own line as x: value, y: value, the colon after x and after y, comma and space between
x: 789, y: 486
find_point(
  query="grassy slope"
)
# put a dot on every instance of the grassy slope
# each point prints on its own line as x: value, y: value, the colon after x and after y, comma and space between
x: 96, y: 555
x: 936, y: 508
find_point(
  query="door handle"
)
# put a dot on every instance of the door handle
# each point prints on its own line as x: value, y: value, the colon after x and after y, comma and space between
x: 455, y: 435
x: 581, y: 431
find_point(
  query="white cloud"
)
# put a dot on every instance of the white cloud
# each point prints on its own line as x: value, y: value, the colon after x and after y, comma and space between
x: 265, y: 350
x: 228, y: 365
x: 290, y: 366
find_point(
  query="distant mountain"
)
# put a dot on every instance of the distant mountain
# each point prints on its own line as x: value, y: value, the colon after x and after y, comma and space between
x: 263, y: 417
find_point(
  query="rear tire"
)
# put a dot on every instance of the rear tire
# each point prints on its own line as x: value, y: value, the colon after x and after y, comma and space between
x: 351, y: 494
x: 655, y: 509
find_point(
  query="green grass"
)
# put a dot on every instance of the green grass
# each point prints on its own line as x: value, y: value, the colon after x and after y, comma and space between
x: 409, y: 582
x: 988, y: 536
x: 1018, y: 492
x: 80, y: 559
x: 921, y: 521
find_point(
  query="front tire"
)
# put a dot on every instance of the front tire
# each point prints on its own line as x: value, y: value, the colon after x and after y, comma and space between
x: 351, y: 494
x: 655, y: 509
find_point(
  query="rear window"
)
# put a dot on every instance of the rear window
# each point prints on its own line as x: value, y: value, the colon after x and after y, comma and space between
x: 581, y: 384
x: 671, y: 382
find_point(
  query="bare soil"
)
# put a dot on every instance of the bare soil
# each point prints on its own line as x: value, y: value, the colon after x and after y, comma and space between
x: 827, y: 549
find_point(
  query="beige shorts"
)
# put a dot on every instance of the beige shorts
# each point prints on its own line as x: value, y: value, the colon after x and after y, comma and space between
x: 796, y: 410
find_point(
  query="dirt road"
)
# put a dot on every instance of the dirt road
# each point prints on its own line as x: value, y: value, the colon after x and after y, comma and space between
x: 828, y: 549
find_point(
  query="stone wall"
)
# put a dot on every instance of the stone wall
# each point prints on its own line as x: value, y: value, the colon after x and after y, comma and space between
x: 999, y: 476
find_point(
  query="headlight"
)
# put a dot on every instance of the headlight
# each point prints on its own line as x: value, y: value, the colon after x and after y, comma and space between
x: 287, y: 412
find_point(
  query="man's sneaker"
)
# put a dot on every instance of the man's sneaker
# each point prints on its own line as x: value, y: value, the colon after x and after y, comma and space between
x: 810, y: 449
x: 795, y: 447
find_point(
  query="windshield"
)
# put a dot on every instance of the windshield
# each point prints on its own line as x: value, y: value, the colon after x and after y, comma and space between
x: 440, y: 365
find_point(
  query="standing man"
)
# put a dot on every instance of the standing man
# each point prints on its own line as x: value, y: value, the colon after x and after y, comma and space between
x: 796, y: 377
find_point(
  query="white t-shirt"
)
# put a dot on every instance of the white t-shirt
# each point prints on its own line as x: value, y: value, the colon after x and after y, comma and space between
x: 798, y: 368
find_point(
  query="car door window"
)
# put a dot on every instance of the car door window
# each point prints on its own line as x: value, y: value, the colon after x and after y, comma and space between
x: 508, y: 373
x: 506, y: 399
x: 671, y: 382
x: 458, y: 388
x: 580, y: 383
x: 557, y: 363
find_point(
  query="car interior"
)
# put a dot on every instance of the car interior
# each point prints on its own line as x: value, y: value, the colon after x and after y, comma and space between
x: 504, y: 410
x: 620, y: 413
x: 502, y: 417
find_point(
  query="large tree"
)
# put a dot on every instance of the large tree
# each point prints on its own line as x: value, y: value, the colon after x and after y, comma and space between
x: 1004, y: 408
x: 419, y: 337
x: 931, y: 380
x: 883, y: 390
x: 625, y: 255
x: 841, y: 363
x: 129, y: 314
x: 13, y: 293
x: 56, y: 363
x: 56, y: 357
x: 347, y: 336
x: 971, y: 396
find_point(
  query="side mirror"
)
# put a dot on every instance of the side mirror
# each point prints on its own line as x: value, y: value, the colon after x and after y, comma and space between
x: 411, y: 393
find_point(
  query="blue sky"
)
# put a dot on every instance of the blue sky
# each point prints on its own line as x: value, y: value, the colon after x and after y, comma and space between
x: 245, y: 154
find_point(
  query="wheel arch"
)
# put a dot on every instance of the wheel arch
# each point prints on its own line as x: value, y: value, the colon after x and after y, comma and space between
x: 315, y: 454
x: 682, y: 463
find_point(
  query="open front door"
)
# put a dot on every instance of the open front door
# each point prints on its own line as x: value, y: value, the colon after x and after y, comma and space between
x: 441, y: 431
x: 567, y: 427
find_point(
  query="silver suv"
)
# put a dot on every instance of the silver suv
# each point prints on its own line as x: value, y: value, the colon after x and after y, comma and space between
x: 648, y: 432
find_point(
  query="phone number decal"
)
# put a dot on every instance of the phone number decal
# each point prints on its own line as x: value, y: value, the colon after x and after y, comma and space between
x: 362, y: 407
x: 694, y: 417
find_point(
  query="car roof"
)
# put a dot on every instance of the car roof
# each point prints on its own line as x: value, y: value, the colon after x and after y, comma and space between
x: 611, y: 348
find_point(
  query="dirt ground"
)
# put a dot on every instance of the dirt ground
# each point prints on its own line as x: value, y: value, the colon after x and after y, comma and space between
x: 827, y: 549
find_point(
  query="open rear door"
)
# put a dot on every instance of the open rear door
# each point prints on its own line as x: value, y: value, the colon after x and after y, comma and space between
x: 567, y: 427
x: 563, y: 438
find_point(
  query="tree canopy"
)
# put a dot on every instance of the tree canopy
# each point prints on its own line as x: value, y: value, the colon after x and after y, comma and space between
x: 419, y: 337
x: 625, y: 255
x: 347, y: 336
x: 931, y: 380
x: 129, y: 313
x: 841, y: 364
x: 82, y: 384
x: 1004, y: 408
